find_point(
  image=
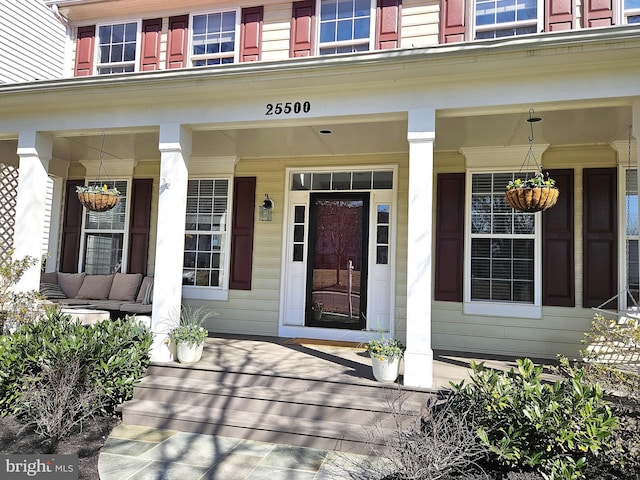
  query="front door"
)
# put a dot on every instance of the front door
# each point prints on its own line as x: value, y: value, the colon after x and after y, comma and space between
x: 337, y: 261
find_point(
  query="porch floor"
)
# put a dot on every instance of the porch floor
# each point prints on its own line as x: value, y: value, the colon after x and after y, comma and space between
x: 134, y: 451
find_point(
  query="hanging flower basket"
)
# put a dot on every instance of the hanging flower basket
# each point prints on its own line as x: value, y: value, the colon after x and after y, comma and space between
x: 532, y: 195
x: 98, y: 199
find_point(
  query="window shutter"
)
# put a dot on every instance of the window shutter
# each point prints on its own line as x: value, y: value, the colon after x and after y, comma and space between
x: 177, y: 41
x: 558, y: 269
x: 84, y: 51
x: 600, y: 223
x: 388, y: 24
x: 139, y: 225
x: 251, y: 34
x: 151, y: 32
x: 559, y: 15
x: 598, y: 13
x: 453, y: 21
x: 302, y: 28
x: 244, y: 194
x: 449, y: 237
x: 71, y: 228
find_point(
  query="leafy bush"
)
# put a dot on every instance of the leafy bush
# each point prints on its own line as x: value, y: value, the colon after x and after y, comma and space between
x: 17, y: 307
x: 527, y: 423
x: 113, y: 355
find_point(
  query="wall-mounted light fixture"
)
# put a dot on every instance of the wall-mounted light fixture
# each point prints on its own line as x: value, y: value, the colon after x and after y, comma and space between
x: 266, y: 209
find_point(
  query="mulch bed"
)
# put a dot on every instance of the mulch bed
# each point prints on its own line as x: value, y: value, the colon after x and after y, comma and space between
x: 15, y: 438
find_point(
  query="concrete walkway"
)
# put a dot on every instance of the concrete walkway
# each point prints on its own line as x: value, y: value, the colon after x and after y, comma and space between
x: 142, y: 453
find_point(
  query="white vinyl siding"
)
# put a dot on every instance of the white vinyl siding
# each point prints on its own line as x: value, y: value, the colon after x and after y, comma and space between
x: 32, y: 42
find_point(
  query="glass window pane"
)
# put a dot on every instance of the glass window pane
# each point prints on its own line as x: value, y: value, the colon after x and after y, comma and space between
x: 361, y: 28
x: 299, y: 214
x: 342, y: 181
x: 383, y: 234
x: 328, y: 10
x: 361, y: 180
x: 321, y: 181
x: 301, y: 181
x: 382, y: 180
x: 345, y: 8
x: 362, y: 8
x: 480, y: 289
x: 298, y: 233
x: 345, y: 30
x: 383, y: 214
x: 298, y: 252
x: 382, y: 255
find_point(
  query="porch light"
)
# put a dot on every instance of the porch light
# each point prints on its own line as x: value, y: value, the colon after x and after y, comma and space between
x: 266, y: 209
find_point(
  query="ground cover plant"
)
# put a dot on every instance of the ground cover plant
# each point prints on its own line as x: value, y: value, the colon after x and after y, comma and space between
x: 60, y: 379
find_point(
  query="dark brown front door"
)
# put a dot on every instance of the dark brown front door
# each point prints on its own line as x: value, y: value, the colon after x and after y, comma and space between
x: 337, y: 264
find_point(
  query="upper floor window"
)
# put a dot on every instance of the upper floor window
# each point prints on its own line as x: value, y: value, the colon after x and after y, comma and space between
x: 117, y: 46
x: 214, y: 38
x: 505, y: 18
x: 345, y: 26
x: 632, y: 11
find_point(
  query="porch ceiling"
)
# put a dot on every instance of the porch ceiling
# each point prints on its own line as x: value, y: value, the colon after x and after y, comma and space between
x: 573, y: 126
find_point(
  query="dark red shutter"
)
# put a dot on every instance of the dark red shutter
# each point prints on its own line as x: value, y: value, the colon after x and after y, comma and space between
x: 177, y: 41
x: 449, y: 237
x: 559, y: 15
x: 71, y: 228
x: 600, y: 224
x: 302, y: 28
x: 453, y: 21
x: 244, y: 205
x: 251, y: 34
x: 151, y: 32
x: 139, y: 225
x: 388, y: 24
x: 85, y: 42
x: 558, y: 269
x: 597, y: 13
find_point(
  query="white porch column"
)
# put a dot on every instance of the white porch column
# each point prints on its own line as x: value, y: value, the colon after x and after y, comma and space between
x: 175, y: 149
x: 418, y: 361
x: 635, y: 132
x: 34, y: 150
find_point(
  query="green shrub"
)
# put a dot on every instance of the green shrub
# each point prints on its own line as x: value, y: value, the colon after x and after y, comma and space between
x: 527, y: 423
x: 113, y: 355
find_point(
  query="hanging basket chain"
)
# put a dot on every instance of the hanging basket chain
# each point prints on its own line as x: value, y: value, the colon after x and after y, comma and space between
x: 99, y: 197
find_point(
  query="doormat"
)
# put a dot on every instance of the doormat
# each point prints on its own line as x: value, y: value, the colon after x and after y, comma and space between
x: 315, y: 341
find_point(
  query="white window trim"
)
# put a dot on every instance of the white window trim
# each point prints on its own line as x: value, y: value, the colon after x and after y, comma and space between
x: 236, y: 40
x: 220, y: 292
x: 538, y: 22
x: 125, y: 230
x: 623, y: 13
x: 345, y: 43
x: 96, y: 49
x: 293, y: 197
x: 622, y: 231
x: 500, y: 309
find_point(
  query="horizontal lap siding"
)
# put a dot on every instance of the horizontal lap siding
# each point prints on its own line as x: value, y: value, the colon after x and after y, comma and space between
x: 32, y: 42
x: 420, y: 23
x: 275, y: 31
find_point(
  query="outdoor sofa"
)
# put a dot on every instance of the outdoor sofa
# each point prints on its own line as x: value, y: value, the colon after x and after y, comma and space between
x: 129, y: 293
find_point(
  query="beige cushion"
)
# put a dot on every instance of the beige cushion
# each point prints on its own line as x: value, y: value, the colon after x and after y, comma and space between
x: 135, y: 308
x: 96, y: 287
x: 145, y: 289
x: 49, y: 277
x: 70, y: 283
x: 125, y: 286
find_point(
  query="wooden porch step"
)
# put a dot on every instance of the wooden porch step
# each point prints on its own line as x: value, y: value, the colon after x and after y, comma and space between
x: 269, y: 407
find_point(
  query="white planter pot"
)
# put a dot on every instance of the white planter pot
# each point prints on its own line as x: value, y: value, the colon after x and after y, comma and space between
x: 385, y: 370
x: 189, y: 352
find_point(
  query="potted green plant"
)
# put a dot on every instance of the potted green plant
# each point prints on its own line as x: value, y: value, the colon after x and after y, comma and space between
x: 385, y: 356
x: 532, y: 194
x: 98, y: 198
x: 190, y: 335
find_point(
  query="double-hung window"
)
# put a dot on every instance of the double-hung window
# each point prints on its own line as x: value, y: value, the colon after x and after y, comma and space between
x: 117, y: 48
x: 631, y: 11
x: 206, y: 247
x: 506, y: 18
x: 214, y: 38
x: 345, y: 26
x: 104, y: 236
x: 503, y: 264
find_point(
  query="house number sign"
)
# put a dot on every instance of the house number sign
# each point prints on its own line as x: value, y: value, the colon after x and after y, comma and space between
x: 288, y: 108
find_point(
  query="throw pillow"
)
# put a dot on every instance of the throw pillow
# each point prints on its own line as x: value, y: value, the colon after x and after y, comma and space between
x: 95, y: 287
x: 143, y: 289
x: 51, y: 291
x: 148, y: 295
x: 70, y: 283
x: 125, y: 286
